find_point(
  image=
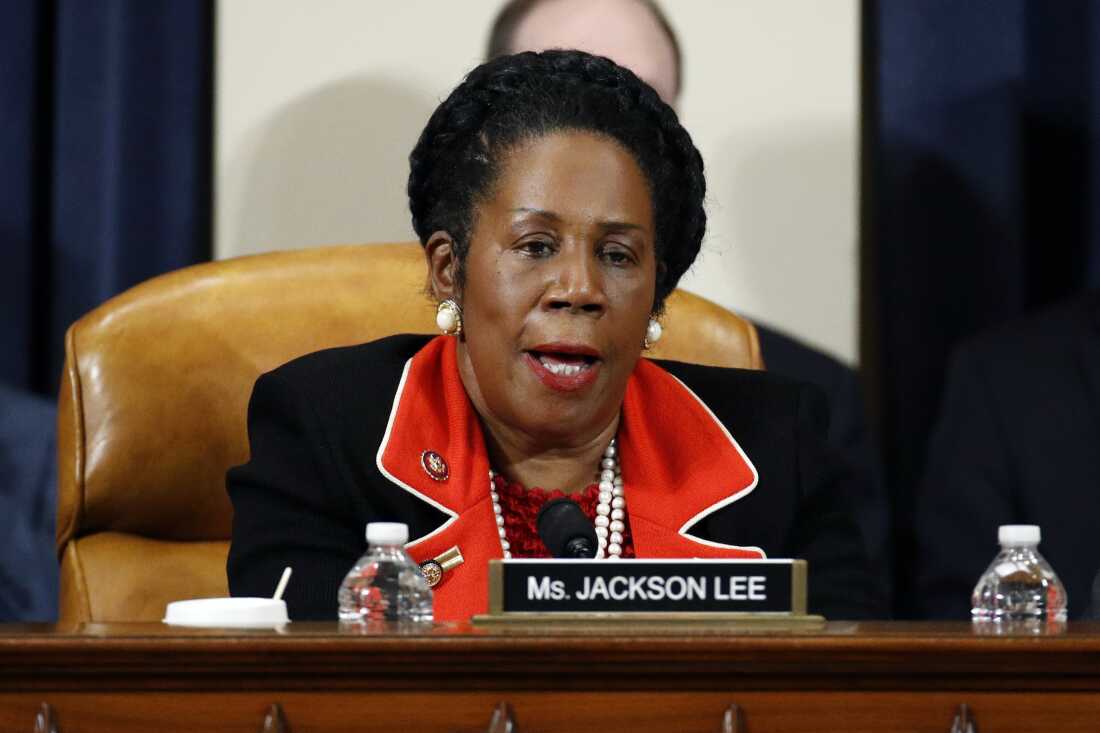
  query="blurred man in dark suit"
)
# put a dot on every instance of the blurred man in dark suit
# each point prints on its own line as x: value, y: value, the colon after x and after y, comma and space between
x: 636, y: 34
x: 28, y: 568
x: 1018, y: 442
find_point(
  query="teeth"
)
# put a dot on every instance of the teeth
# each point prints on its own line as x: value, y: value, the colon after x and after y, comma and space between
x: 563, y: 370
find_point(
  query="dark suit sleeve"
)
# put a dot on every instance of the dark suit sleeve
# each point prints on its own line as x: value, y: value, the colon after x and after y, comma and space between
x: 966, y: 494
x: 290, y: 506
x: 825, y: 532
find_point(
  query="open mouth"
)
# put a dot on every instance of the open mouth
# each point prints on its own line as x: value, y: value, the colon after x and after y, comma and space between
x: 564, y: 367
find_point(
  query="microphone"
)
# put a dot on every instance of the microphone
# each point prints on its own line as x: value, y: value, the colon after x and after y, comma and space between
x: 565, y: 530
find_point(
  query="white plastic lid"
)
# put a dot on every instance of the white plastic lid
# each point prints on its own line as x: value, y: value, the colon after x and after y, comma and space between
x: 387, y: 533
x: 227, y: 613
x: 1015, y: 535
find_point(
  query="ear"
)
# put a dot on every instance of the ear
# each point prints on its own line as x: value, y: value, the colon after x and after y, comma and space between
x: 442, y: 266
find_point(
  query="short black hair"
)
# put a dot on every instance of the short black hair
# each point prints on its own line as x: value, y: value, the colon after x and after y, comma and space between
x: 502, y: 33
x: 524, y: 96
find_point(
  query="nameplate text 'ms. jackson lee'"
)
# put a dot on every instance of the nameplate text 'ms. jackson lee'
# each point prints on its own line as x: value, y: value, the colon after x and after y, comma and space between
x: 647, y: 586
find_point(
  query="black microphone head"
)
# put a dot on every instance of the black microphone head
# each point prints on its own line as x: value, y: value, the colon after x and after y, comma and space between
x: 565, y: 530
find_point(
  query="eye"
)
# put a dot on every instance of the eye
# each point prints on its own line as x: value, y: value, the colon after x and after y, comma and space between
x: 616, y: 254
x: 536, y: 248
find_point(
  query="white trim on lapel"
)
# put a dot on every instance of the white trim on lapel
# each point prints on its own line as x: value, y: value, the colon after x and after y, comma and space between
x: 729, y: 499
x: 452, y: 515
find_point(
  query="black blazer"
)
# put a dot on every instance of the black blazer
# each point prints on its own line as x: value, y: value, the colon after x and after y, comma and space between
x: 1018, y: 442
x: 312, y: 484
x: 848, y: 434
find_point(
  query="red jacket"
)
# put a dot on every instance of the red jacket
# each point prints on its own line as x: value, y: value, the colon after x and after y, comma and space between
x: 678, y: 465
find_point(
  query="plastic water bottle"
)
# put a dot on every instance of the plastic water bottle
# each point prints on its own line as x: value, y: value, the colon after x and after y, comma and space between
x: 1019, y: 591
x: 385, y: 584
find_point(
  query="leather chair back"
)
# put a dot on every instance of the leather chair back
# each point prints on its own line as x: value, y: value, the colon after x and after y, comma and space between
x: 155, y: 389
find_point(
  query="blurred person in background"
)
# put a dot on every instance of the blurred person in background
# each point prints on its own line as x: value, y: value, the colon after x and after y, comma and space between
x: 28, y: 471
x: 636, y: 34
x: 1017, y: 442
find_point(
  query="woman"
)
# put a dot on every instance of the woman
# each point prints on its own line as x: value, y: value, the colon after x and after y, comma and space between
x: 558, y: 201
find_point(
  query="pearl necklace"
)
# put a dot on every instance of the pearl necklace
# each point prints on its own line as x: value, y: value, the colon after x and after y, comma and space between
x: 610, y: 510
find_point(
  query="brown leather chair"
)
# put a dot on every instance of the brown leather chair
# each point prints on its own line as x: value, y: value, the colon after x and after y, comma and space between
x: 155, y: 389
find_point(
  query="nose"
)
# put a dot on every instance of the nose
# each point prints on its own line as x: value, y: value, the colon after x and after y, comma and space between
x: 577, y: 283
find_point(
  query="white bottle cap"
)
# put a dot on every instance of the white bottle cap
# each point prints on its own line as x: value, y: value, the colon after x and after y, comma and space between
x: 387, y: 533
x: 1014, y: 535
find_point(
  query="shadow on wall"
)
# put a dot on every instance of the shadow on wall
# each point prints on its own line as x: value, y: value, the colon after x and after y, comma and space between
x: 792, y: 208
x: 329, y: 167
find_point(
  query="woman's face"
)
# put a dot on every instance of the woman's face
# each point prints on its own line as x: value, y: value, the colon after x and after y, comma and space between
x: 560, y: 279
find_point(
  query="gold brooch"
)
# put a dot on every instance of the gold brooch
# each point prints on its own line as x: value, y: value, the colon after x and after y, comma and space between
x: 433, y: 569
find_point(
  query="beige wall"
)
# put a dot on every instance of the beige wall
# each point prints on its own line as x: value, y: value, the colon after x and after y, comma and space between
x: 319, y: 103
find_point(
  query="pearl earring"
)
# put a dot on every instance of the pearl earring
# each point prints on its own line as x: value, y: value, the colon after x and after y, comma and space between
x: 449, y: 317
x: 652, y: 334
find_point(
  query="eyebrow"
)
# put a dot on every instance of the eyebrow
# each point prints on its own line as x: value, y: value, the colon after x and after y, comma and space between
x: 617, y: 225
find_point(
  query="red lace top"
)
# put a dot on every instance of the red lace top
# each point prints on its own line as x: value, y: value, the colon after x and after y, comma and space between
x: 521, y: 507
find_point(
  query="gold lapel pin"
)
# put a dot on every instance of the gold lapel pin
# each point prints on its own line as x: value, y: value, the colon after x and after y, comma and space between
x: 433, y: 569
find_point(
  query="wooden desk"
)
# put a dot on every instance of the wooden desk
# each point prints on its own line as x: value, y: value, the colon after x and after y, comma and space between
x: 848, y: 677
